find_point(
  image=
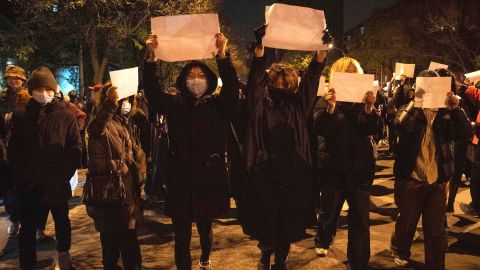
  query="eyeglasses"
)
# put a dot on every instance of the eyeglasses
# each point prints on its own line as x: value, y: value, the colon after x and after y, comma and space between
x: 283, y: 69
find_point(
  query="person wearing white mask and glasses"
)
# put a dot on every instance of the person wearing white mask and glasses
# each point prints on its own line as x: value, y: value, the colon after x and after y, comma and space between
x: 44, y: 152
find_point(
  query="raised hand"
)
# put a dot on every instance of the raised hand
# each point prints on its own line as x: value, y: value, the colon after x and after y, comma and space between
x: 259, y: 34
x: 369, y: 101
x: 152, y: 44
x: 331, y: 100
x: 327, y: 37
x: 452, y: 101
x: 221, y: 44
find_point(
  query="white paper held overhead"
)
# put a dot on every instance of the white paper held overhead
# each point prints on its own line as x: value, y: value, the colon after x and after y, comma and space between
x: 126, y: 80
x: 186, y: 37
x: 294, y: 28
x: 406, y: 69
x: 431, y: 92
x: 351, y: 87
x: 435, y: 65
x: 473, y: 76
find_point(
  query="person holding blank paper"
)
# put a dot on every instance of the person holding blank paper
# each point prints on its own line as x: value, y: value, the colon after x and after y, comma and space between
x: 423, y: 165
x: 349, y: 130
x: 197, y: 184
x: 275, y: 200
x: 110, y: 152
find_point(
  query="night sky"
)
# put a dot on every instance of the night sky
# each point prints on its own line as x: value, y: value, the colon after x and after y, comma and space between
x: 245, y: 15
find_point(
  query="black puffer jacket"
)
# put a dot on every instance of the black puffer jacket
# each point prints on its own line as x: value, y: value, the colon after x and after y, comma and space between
x: 44, y: 149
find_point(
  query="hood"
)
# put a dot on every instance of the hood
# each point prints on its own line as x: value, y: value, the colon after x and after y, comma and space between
x: 211, y: 78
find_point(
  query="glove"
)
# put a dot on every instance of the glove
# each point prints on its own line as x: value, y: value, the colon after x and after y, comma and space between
x: 259, y: 34
x: 327, y: 37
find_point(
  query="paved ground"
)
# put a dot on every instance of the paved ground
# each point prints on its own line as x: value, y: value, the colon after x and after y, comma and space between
x: 233, y: 250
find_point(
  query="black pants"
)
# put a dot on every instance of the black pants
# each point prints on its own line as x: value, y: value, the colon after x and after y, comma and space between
x: 415, y: 199
x: 42, y: 218
x: 183, y: 237
x: 123, y: 244
x: 475, y: 186
x: 392, y: 136
x: 332, y: 199
x: 460, y: 163
x: 29, y: 207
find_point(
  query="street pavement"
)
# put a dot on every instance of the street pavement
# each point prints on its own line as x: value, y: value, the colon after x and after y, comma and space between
x: 233, y: 250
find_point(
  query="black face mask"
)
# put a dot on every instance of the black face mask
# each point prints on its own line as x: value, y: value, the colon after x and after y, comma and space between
x: 278, y: 95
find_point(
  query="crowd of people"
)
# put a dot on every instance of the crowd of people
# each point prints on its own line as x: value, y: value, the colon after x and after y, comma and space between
x: 288, y: 157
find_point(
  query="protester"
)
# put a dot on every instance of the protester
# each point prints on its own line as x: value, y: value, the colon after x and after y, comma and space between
x: 276, y: 201
x: 44, y: 152
x: 197, y: 184
x: 15, y: 96
x: 110, y: 153
x: 423, y: 165
x: 472, y: 94
x: 349, y: 130
x: 460, y: 146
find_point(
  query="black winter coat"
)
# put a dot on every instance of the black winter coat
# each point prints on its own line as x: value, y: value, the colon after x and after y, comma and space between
x: 44, y: 150
x: 197, y: 182
x: 278, y: 159
x: 349, y: 139
x: 448, y: 126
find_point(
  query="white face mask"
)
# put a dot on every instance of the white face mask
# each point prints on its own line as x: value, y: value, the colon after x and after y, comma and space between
x: 42, y: 97
x: 197, y: 86
x: 126, y: 107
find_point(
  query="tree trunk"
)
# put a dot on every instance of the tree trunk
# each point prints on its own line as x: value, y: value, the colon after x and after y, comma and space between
x: 80, y: 72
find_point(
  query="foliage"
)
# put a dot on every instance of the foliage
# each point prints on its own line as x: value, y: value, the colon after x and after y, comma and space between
x: 445, y: 31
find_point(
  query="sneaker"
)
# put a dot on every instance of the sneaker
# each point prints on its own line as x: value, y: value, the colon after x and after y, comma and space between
x: 469, y: 210
x: 64, y: 261
x: 13, y: 228
x: 399, y: 261
x: 205, y: 265
x: 40, y: 235
x: 321, y: 252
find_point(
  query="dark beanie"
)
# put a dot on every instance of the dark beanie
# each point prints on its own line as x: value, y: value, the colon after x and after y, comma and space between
x: 41, y: 77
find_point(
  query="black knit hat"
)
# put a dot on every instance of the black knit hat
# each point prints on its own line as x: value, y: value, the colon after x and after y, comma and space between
x: 41, y: 77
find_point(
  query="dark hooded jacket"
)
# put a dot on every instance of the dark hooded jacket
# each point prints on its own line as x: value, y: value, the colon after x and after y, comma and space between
x: 278, y: 158
x: 197, y: 176
x: 44, y: 150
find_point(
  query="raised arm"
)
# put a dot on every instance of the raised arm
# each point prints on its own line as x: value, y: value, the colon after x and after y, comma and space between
x: 308, y: 88
x: 257, y: 78
x: 229, y: 95
x: 105, y: 114
x: 151, y: 77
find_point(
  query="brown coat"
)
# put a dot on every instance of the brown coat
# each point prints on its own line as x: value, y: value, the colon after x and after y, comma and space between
x: 109, y: 128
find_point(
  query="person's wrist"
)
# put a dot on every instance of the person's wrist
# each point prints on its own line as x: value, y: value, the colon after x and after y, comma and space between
x: 331, y: 108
